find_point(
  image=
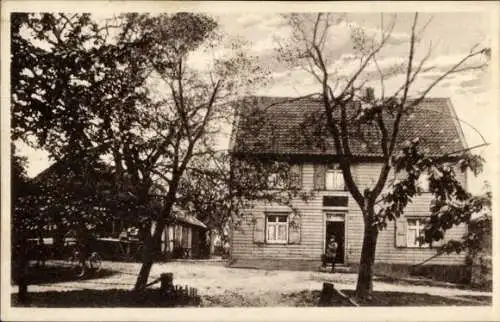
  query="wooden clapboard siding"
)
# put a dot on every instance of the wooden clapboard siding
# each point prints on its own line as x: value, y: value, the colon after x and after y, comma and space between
x: 311, y: 245
x: 386, y: 251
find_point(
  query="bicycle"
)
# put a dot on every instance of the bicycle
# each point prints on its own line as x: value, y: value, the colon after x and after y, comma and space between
x: 81, y: 267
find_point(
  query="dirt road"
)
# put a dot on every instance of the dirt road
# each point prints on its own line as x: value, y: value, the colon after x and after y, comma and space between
x: 214, y: 279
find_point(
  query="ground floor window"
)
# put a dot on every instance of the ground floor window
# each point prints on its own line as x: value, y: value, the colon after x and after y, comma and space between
x: 277, y: 228
x: 414, y: 230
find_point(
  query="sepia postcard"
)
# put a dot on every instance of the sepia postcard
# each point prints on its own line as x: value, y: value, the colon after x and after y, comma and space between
x: 249, y: 161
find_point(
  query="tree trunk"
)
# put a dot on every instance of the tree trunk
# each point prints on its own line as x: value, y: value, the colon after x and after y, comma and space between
x: 364, y: 287
x: 153, y: 243
x: 148, y: 255
x: 142, y: 278
x: 59, y: 240
x: 22, y: 270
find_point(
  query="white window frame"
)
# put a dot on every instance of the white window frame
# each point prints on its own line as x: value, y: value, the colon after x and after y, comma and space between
x: 276, y: 224
x: 423, y: 182
x: 275, y: 181
x: 337, y: 180
x: 416, y: 224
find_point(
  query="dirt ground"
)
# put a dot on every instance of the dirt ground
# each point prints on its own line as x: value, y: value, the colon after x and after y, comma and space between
x: 223, y: 286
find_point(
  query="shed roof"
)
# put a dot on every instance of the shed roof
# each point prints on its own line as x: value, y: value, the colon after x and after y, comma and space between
x: 190, y: 220
x: 181, y: 216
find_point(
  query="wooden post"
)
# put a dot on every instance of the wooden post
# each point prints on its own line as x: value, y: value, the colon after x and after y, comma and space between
x: 23, y: 289
x: 22, y: 278
x: 166, y: 280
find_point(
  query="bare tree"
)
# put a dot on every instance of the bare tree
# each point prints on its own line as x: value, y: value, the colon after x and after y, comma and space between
x: 310, y: 48
x: 189, y: 108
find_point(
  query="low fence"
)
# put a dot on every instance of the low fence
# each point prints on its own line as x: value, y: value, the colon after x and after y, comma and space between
x: 175, y: 295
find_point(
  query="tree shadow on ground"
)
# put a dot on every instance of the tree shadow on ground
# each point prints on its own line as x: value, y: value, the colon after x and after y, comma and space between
x: 59, y: 274
x: 420, y: 299
x: 101, y: 298
x: 306, y: 298
x: 429, y: 282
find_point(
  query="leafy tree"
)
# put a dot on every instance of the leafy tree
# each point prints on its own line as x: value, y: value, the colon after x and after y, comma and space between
x: 126, y: 86
x: 19, y: 181
x: 19, y: 258
x: 478, y: 236
x: 310, y: 48
x: 54, y: 59
x: 220, y: 188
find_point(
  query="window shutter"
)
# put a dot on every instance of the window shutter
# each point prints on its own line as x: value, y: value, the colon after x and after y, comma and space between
x: 319, y: 176
x: 400, y: 231
x: 259, y: 228
x: 294, y: 227
x: 296, y: 176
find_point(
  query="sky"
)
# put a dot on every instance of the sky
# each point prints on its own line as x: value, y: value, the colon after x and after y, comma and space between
x: 452, y: 35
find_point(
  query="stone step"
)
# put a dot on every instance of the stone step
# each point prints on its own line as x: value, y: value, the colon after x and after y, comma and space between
x: 339, y: 268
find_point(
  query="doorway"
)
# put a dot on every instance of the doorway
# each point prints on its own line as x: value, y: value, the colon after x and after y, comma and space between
x: 337, y: 228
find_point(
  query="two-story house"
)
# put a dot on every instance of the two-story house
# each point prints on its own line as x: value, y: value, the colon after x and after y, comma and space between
x: 266, y: 237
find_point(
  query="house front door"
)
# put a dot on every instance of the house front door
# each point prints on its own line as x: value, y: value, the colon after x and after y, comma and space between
x: 336, y: 228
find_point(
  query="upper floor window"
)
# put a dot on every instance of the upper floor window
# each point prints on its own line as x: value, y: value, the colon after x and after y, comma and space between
x: 334, y: 179
x: 423, y: 182
x: 328, y: 177
x: 274, y: 180
x: 292, y: 179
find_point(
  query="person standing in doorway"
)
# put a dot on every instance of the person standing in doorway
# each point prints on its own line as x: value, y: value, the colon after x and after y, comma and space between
x: 330, y: 252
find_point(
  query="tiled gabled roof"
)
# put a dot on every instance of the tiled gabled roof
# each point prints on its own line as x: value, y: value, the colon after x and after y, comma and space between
x: 280, y: 125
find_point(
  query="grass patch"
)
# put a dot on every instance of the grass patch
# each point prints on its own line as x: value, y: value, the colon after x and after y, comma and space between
x: 101, y: 298
x: 58, y: 274
x: 420, y: 281
x: 418, y: 299
x: 304, y: 298
x: 153, y: 298
x: 481, y: 298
